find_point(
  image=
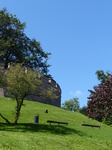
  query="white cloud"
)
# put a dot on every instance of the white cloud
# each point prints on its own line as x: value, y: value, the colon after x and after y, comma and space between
x: 76, y: 93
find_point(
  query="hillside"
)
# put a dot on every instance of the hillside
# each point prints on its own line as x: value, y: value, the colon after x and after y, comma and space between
x: 29, y: 136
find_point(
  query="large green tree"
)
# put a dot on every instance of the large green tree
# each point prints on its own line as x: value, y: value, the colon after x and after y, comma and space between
x: 16, y: 47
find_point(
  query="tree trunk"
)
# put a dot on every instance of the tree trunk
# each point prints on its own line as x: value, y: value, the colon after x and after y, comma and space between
x: 18, y: 111
x: 16, y: 117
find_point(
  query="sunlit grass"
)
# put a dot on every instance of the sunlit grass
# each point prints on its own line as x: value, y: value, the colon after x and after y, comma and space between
x: 28, y: 136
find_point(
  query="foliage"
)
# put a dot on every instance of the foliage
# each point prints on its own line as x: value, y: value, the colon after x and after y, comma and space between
x: 107, y: 121
x: 83, y: 110
x: 16, y: 47
x: 21, y: 84
x: 100, y: 101
x: 102, y: 76
x: 50, y: 93
x: 72, y: 104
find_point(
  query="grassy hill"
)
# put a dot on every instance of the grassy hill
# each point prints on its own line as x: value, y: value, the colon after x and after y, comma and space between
x: 29, y: 136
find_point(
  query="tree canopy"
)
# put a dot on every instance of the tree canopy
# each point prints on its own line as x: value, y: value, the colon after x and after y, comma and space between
x: 101, y: 76
x: 20, y: 84
x: 99, y: 104
x: 72, y: 104
x: 16, y: 47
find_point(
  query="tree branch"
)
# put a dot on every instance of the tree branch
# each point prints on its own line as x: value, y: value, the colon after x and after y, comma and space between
x: 5, y: 119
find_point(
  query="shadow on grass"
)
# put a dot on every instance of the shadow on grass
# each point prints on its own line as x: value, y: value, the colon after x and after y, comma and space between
x: 30, y: 127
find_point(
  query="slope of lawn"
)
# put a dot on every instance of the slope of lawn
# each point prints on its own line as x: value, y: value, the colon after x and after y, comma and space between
x: 29, y: 136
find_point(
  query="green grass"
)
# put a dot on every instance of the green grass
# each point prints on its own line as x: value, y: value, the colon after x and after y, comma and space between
x: 29, y: 136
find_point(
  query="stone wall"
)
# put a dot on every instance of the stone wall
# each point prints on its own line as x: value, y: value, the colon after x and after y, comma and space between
x: 1, y: 92
x: 48, y: 83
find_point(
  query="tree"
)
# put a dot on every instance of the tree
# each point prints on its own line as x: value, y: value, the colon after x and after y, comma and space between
x: 102, y: 76
x: 21, y: 84
x: 83, y: 110
x: 16, y: 47
x: 72, y: 104
x: 99, y: 105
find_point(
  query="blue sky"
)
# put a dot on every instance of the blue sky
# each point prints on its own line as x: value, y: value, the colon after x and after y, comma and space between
x: 78, y: 33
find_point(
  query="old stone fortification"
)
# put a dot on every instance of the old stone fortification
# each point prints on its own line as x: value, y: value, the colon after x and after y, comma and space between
x: 48, y: 83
